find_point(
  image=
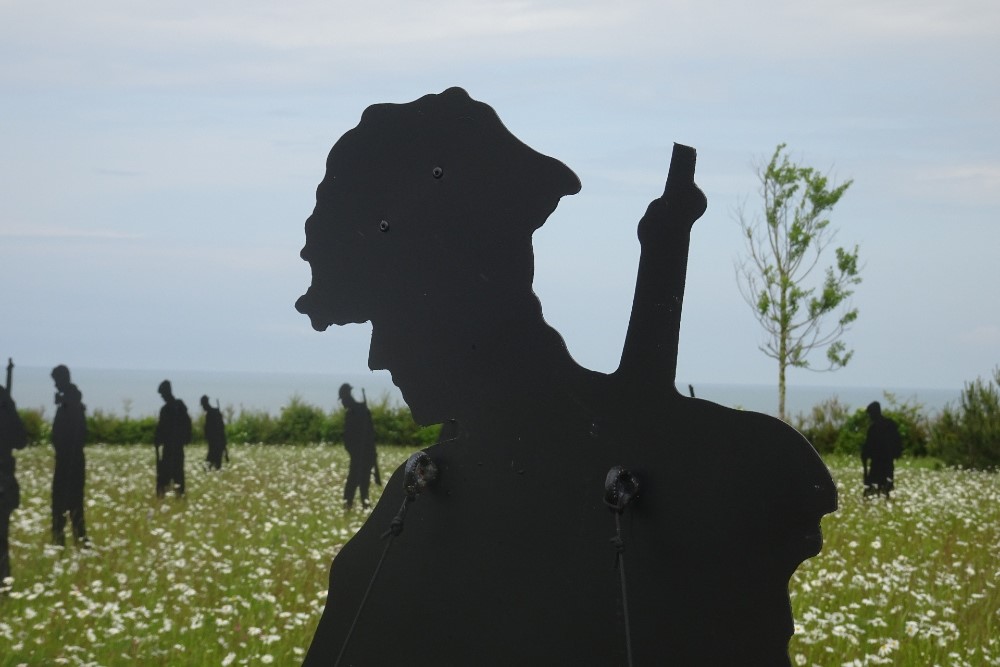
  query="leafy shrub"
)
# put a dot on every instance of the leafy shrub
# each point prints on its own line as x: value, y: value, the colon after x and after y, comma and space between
x: 136, y: 431
x: 914, y: 428
x: 394, y: 425
x: 335, y: 426
x: 969, y: 435
x: 37, y: 428
x: 108, y: 428
x: 823, y: 423
x: 300, y: 423
x: 251, y: 426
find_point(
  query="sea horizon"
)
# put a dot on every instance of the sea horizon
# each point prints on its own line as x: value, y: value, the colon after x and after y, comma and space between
x: 133, y: 392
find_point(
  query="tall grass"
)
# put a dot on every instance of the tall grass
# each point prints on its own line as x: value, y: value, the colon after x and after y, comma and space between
x: 913, y: 581
x: 236, y: 573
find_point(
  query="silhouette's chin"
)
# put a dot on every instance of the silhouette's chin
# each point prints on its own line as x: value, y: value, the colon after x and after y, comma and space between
x: 812, y: 541
x: 803, y: 545
x: 322, y: 315
x: 319, y: 326
x: 421, y: 415
x: 305, y: 305
x: 423, y: 411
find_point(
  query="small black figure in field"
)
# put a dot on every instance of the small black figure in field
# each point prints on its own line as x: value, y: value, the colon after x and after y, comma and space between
x: 359, y: 441
x: 173, y: 432
x: 215, y: 435
x: 69, y: 434
x: 423, y: 226
x: 12, y: 436
x: 882, y: 446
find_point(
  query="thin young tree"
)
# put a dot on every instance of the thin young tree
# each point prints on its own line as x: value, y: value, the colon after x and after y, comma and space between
x: 801, y: 309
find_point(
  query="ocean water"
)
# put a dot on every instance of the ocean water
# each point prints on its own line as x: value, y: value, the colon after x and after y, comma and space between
x: 134, y: 391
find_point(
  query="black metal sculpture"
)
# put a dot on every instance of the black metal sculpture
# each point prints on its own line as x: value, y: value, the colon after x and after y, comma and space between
x: 215, y: 435
x: 359, y: 440
x: 882, y: 446
x: 12, y: 436
x: 69, y: 434
x: 173, y: 432
x: 423, y: 227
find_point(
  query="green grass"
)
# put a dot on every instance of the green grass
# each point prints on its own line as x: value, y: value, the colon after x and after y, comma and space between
x: 236, y: 573
x: 907, y: 582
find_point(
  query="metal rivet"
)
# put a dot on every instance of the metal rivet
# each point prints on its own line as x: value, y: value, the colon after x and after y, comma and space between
x: 383, y: 226
x: 437, y: 172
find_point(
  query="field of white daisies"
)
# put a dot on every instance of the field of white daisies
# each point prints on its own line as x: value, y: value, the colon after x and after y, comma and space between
x: 233, y: 574
x: 236, y: 573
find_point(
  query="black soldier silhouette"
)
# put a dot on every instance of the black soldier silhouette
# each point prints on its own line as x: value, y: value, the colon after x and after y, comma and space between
x: 215, y: 435
x: 12, y: 436
x: 69, y: 434
x: 423, y: 227
x: 882, y: 446
x: 173, y: 432
x: 359, y: 441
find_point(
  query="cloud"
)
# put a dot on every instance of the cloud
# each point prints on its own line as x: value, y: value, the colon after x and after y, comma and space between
x: 195, y: 42
x: 127, y: 173
x: 55, y: 232
x: 984, y: 335
x: 913, y: 19
x: 192, y: 42
x: 972, y: 181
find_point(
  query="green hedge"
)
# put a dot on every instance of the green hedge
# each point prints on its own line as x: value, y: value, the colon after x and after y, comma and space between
x: 968, y: 434
x: 832, y: 428
x: 297, y: 423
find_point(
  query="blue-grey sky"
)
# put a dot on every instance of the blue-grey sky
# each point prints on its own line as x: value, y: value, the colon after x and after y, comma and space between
x: 159, y: 160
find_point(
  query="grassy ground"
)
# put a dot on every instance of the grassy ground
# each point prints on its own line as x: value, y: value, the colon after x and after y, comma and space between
x: 236, y: 572
x: 913, y: 581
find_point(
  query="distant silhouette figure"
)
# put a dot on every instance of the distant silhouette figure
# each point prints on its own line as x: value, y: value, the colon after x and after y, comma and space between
x: 423, y: 227
x: 173, y: 432
x: 215, y: 435
x: 12, y: 436
x: 359, y: 440
x: 69, y: 434
x: 882, y: 446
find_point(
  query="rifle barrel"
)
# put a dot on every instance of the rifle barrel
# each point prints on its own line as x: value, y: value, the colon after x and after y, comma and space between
x: 649, y: 356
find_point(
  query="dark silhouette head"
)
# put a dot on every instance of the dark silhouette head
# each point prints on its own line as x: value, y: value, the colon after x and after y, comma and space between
x: 423, y: 226
x: 60, y: 374
x: 165, y: 391
x: 205, y: 405
x: 420, y: 198
x: 874, y: 410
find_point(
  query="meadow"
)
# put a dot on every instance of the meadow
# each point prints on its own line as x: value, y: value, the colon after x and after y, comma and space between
x: 236, y: 572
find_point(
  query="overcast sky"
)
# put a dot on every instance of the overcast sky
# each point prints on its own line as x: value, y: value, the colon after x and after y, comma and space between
x: 159, y: 160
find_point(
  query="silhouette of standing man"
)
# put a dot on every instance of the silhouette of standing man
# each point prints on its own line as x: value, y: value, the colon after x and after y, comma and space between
x: 507, y: 560
x: 359, y: 441
x: 69, y: 433
x: 12, y: 436
x: 173, y: 431
x: 882, y: 445
x: 215, y: 435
